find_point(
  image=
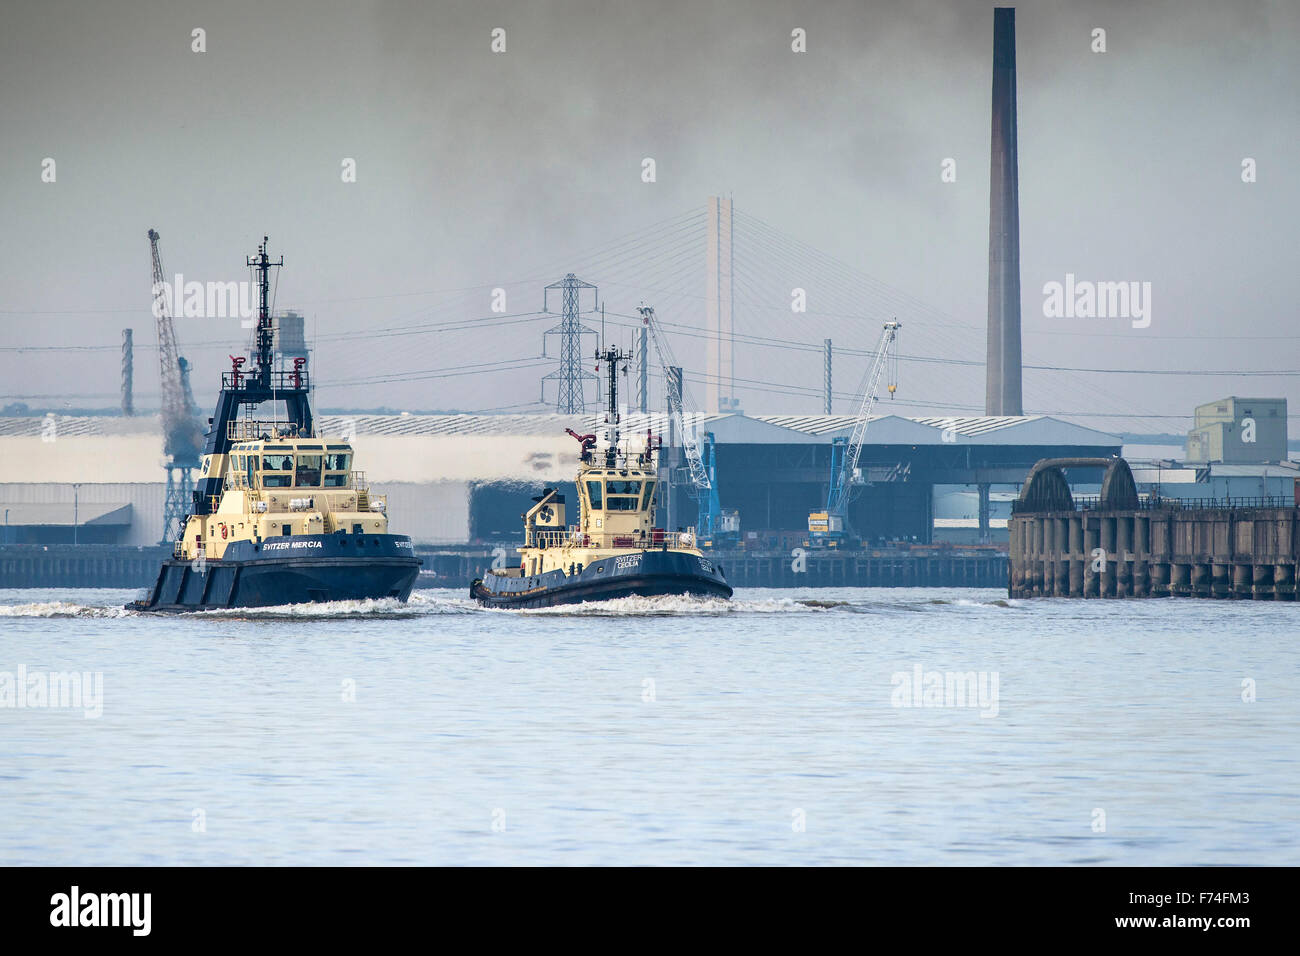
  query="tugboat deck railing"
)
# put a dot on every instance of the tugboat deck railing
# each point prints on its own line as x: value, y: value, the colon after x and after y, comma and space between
x: 575, y: 538
x: 251, y: 429
x: 280, y: 380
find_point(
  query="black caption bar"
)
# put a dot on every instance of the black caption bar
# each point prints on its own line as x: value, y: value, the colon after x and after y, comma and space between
x: 140, y: 905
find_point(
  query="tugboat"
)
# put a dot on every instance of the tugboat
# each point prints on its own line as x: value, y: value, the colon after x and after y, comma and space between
x: 279, y: 515
x: 614, y: 551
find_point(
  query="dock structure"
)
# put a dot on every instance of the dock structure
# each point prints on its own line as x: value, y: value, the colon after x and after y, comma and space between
x: 79, y: 566
x: 113, y: 566
x: 1120, y: 545
x: 882, y: 568
x: 919, y: 567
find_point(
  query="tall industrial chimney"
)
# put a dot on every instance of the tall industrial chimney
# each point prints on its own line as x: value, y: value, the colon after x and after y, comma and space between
x: 128, y: 373
x: 1002, y: 369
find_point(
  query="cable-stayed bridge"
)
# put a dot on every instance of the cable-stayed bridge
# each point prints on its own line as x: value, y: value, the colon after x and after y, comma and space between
x: 748, y: 308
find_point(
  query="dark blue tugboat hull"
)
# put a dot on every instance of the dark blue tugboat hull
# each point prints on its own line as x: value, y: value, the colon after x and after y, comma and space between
x: 644, y: 574
x: 298, y: 569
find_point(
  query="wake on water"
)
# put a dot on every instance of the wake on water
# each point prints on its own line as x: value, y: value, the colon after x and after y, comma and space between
x: 668, y: 606
x: 421, y: 605
x: 60, y: 609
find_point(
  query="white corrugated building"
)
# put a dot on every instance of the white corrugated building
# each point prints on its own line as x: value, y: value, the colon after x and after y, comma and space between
x: 450, y: 478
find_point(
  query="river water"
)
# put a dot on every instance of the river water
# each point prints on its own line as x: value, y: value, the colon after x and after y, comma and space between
x: 829, y: 726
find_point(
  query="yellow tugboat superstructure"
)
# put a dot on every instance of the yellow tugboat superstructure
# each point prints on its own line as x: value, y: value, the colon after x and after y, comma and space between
x: 614, y: 549
x: 616, y: 502
x: 281, y: 487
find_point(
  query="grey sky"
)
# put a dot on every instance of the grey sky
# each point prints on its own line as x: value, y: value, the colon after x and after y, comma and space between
x: 478, y: 170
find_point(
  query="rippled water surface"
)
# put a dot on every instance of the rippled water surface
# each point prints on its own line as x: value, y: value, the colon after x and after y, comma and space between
x: 768, y: 730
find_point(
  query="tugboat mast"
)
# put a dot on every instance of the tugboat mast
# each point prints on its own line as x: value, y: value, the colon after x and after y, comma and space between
x: 240, y: 389
x: 265, y: 333
x: 612, y: 356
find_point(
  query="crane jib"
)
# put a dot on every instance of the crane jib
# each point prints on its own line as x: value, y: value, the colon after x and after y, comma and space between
x: 842, y: 488
x: 676, y: 402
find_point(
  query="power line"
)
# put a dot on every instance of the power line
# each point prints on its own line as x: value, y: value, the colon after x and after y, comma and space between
x: 504, y: 365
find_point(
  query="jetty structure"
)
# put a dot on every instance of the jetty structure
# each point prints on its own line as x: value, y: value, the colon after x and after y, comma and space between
x: 1119, y: 544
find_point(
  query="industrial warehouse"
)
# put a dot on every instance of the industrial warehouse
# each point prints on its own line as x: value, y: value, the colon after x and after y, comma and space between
x: 456, y: 482
x: 457, y: 479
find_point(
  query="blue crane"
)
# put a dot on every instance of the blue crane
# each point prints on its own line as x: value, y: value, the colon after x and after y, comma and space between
x: 831, y: 528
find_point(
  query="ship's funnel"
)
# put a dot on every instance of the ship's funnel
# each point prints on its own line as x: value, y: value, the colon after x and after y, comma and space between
x: 1002, y: 385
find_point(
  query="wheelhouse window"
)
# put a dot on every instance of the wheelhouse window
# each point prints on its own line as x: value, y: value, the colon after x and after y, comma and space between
x: 594, y: 495
x: 308, y: 472
x: 336, y: 469
x: 622, y: 495
x: 277, y: 463
x: 648, y: 496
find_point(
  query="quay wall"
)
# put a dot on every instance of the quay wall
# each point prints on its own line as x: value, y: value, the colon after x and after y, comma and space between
x: 1219, y: 552
x: 115, y: 566
x: 1121, y: 544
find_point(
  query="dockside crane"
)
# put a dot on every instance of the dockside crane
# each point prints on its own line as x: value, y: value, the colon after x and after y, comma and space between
x: 714, y: 524
x: 718, y: 527
x: 182, y: 432
x: 831, y: 528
